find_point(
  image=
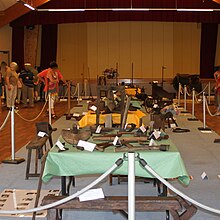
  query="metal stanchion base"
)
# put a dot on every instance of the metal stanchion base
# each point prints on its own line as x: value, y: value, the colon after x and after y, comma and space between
x: 217, y: 140
x: 204, y: 129
x: 192, y: 119
x: 68, y: 117
x: 16, y: 160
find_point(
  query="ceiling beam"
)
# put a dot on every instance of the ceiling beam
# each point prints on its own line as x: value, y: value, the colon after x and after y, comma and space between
x: 218, y: 1
x: 16, y: 11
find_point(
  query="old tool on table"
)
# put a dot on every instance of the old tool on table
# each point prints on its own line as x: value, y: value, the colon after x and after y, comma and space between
x: 126, y: 139
x: 129, y: 148
x: 101, y: 146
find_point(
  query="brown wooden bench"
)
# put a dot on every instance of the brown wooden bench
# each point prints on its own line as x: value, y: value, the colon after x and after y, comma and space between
x: 36, y: 144
x: 174, y: 204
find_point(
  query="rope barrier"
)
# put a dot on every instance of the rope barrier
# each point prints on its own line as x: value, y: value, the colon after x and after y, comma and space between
x: 72, y: 95
x: 5, y: 121
x: 144, y: 164
x: 118, y: 163
x: 30, y: 120
x: 188, y: 92
x: 181, y: 89
x: 65, y: 93
x: 202, y: 90
x: 207, y: 106
x: 66, y: 199
x: 75, y: 91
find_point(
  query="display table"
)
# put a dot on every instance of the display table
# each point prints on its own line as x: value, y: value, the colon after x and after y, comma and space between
x: 90, y: 118
x: 74, y: 162
x: 132, y: 91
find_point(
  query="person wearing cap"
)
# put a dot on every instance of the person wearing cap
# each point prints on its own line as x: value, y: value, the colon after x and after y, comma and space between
x: 51, y: 78
x: 11, y: 82
x: 27, y: 78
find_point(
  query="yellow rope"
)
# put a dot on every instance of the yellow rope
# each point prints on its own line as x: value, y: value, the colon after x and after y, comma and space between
x: 35, y: 117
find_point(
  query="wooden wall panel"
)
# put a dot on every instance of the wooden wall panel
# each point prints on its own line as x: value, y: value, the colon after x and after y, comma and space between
x: 149, y: 45
x: 31, y: 37
x: 102, y: 47
x: 168, y: 49
x: 147, y: 48
x: 186, y: 48
x: 92, y: 50
x: 158, y: 48
x: 125, y: 49
x: 72, y: 49
x: 5, y: 37
x: 136, y: 50
x: 113, y: 44
x: 195, y: 49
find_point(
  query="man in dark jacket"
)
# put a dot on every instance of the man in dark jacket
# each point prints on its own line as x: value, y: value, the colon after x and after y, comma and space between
x: 27, y: 78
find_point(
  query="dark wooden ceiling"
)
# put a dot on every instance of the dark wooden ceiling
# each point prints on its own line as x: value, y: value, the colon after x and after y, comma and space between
x: 21, y: 16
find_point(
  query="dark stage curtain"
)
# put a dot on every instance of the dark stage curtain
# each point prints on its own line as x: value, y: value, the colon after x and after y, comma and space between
x: 207, y: 50
x: 48, y: 45
x: 18, y: 45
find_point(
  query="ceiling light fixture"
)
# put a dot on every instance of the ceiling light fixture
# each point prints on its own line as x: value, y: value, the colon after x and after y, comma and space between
x: 128, y: 9
x: 26, y: 4
x: 195, y: 9
x: 58, y: 10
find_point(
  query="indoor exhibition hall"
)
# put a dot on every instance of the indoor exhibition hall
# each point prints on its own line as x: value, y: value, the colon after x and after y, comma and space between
x: 110, y: 109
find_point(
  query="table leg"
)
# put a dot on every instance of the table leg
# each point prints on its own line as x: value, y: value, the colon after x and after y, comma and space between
x: 63, y: 185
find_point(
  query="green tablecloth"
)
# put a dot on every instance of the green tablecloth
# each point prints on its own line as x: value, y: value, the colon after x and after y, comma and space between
x: 74, y: 162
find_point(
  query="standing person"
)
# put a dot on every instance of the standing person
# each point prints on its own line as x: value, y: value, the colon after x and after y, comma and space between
x: 27, y: 79
x: 36, y: 85
x: 19, y: 90
x: 51, y: 78
x: 11, y: 82
x: 1, y: 87
x: 217, y: 89
x: 3, y: 70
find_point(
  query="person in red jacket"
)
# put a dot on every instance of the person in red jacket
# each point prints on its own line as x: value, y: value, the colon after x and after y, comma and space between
x: 51, y: 78
x: 217, y: 90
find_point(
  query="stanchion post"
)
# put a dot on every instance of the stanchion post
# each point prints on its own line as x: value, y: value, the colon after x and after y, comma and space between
x: 179, y: 93
x: 185, y: 93
x: 131, y: 186
x: 193, y: 118
x: 68, y: 116
x: 78, y: 96
x: 184, y: 97
x: 204, y: 128
x: 78, y: 99
x: 85, y: 88
x: 209, y: 92
x: 49, y: 108
x: 13, y: 160
x: 12, y: 133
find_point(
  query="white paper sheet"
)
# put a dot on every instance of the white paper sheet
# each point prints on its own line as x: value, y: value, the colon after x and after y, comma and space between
x: 92, y: 194
x: 86, y: 145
